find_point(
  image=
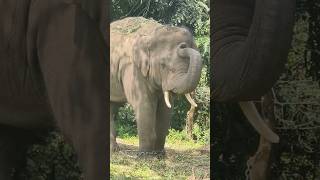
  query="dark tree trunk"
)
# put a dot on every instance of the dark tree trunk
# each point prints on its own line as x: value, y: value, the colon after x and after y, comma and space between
x: 190, y: 120
x: 251, y: 39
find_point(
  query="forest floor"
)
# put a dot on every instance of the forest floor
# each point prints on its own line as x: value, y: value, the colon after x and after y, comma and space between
x: 184, y: 160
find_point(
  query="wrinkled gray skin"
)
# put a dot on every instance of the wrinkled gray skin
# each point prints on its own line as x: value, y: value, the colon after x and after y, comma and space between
x: 251, y: 43
x: 144, y: 64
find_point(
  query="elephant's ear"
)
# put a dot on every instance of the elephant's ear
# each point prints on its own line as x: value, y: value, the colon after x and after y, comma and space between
x: 141, y: 54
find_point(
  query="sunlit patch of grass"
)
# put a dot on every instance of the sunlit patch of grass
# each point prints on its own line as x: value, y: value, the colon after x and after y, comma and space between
x: 184, y: 159
x: 133, y: 140
x: 175, y: 140
x: 135, y: 170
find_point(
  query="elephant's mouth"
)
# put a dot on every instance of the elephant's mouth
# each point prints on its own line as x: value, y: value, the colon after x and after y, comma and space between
x: 188, y: 96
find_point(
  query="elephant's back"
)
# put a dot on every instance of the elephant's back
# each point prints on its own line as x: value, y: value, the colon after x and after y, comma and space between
x: 132, y: 27
x: 125, y: 32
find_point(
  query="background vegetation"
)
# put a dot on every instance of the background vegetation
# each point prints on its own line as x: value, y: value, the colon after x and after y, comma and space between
x: 297, y: 111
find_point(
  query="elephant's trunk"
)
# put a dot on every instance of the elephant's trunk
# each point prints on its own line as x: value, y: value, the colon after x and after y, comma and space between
x: 187, y: 82
x: 251, y: 39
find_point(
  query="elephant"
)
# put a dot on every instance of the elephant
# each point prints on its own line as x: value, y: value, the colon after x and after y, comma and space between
x: 53, y: 75
x: 251, y: 40
x: 149, y: 63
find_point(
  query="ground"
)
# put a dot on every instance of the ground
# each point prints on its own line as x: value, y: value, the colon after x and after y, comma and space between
x: 185, y: 160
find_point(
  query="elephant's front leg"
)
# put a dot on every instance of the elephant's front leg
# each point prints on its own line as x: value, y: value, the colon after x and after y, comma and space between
x: 144, y: 103
x: 162, y: 122
x: 147, y: 127
x: 153, y: 118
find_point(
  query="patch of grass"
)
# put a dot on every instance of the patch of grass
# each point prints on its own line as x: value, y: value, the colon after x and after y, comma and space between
x: 184, y: 159
x: 179, y: 140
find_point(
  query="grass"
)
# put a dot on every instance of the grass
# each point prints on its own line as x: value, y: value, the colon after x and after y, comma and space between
x: 185, y: 159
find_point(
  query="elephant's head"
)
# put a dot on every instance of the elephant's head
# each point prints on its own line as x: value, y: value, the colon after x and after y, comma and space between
x: 169, y: 59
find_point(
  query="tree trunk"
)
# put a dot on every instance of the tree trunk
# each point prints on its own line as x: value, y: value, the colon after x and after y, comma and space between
x: 190, y: 119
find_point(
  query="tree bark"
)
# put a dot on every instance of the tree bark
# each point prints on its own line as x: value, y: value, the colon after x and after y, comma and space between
x: 190, y: 120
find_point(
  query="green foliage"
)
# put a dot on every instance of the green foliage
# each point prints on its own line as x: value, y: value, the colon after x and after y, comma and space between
x: 298, y: 113
x: 298, y: 57
x: 180, y: 109
x: 201, y: 134
x: 299, y: 106
x: 175, y: 135
x: 203, y: 43
x: 203, y: 100
x: 125, y: 122
x: 165, y: 11
x: 51, y: 160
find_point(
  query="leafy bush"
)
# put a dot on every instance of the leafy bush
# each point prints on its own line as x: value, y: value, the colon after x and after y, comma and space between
x: 52, y: 159
x: 202, y: 135
x: 175, y: 135
x: 125, y: 122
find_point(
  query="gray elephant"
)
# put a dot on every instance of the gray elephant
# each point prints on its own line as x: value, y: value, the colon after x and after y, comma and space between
x: 53, y: 74
x: 149, y: 62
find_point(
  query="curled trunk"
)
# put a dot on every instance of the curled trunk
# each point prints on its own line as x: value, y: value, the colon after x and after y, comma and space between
x: 251, y: 40
x: 187, y: 82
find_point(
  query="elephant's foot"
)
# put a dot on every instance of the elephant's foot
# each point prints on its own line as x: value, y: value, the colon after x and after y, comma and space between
x: 152, y: 154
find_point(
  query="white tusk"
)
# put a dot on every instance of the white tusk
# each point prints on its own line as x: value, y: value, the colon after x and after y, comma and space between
x: 253, y: 116
x: 167, y: 99
x: 191, y: 101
